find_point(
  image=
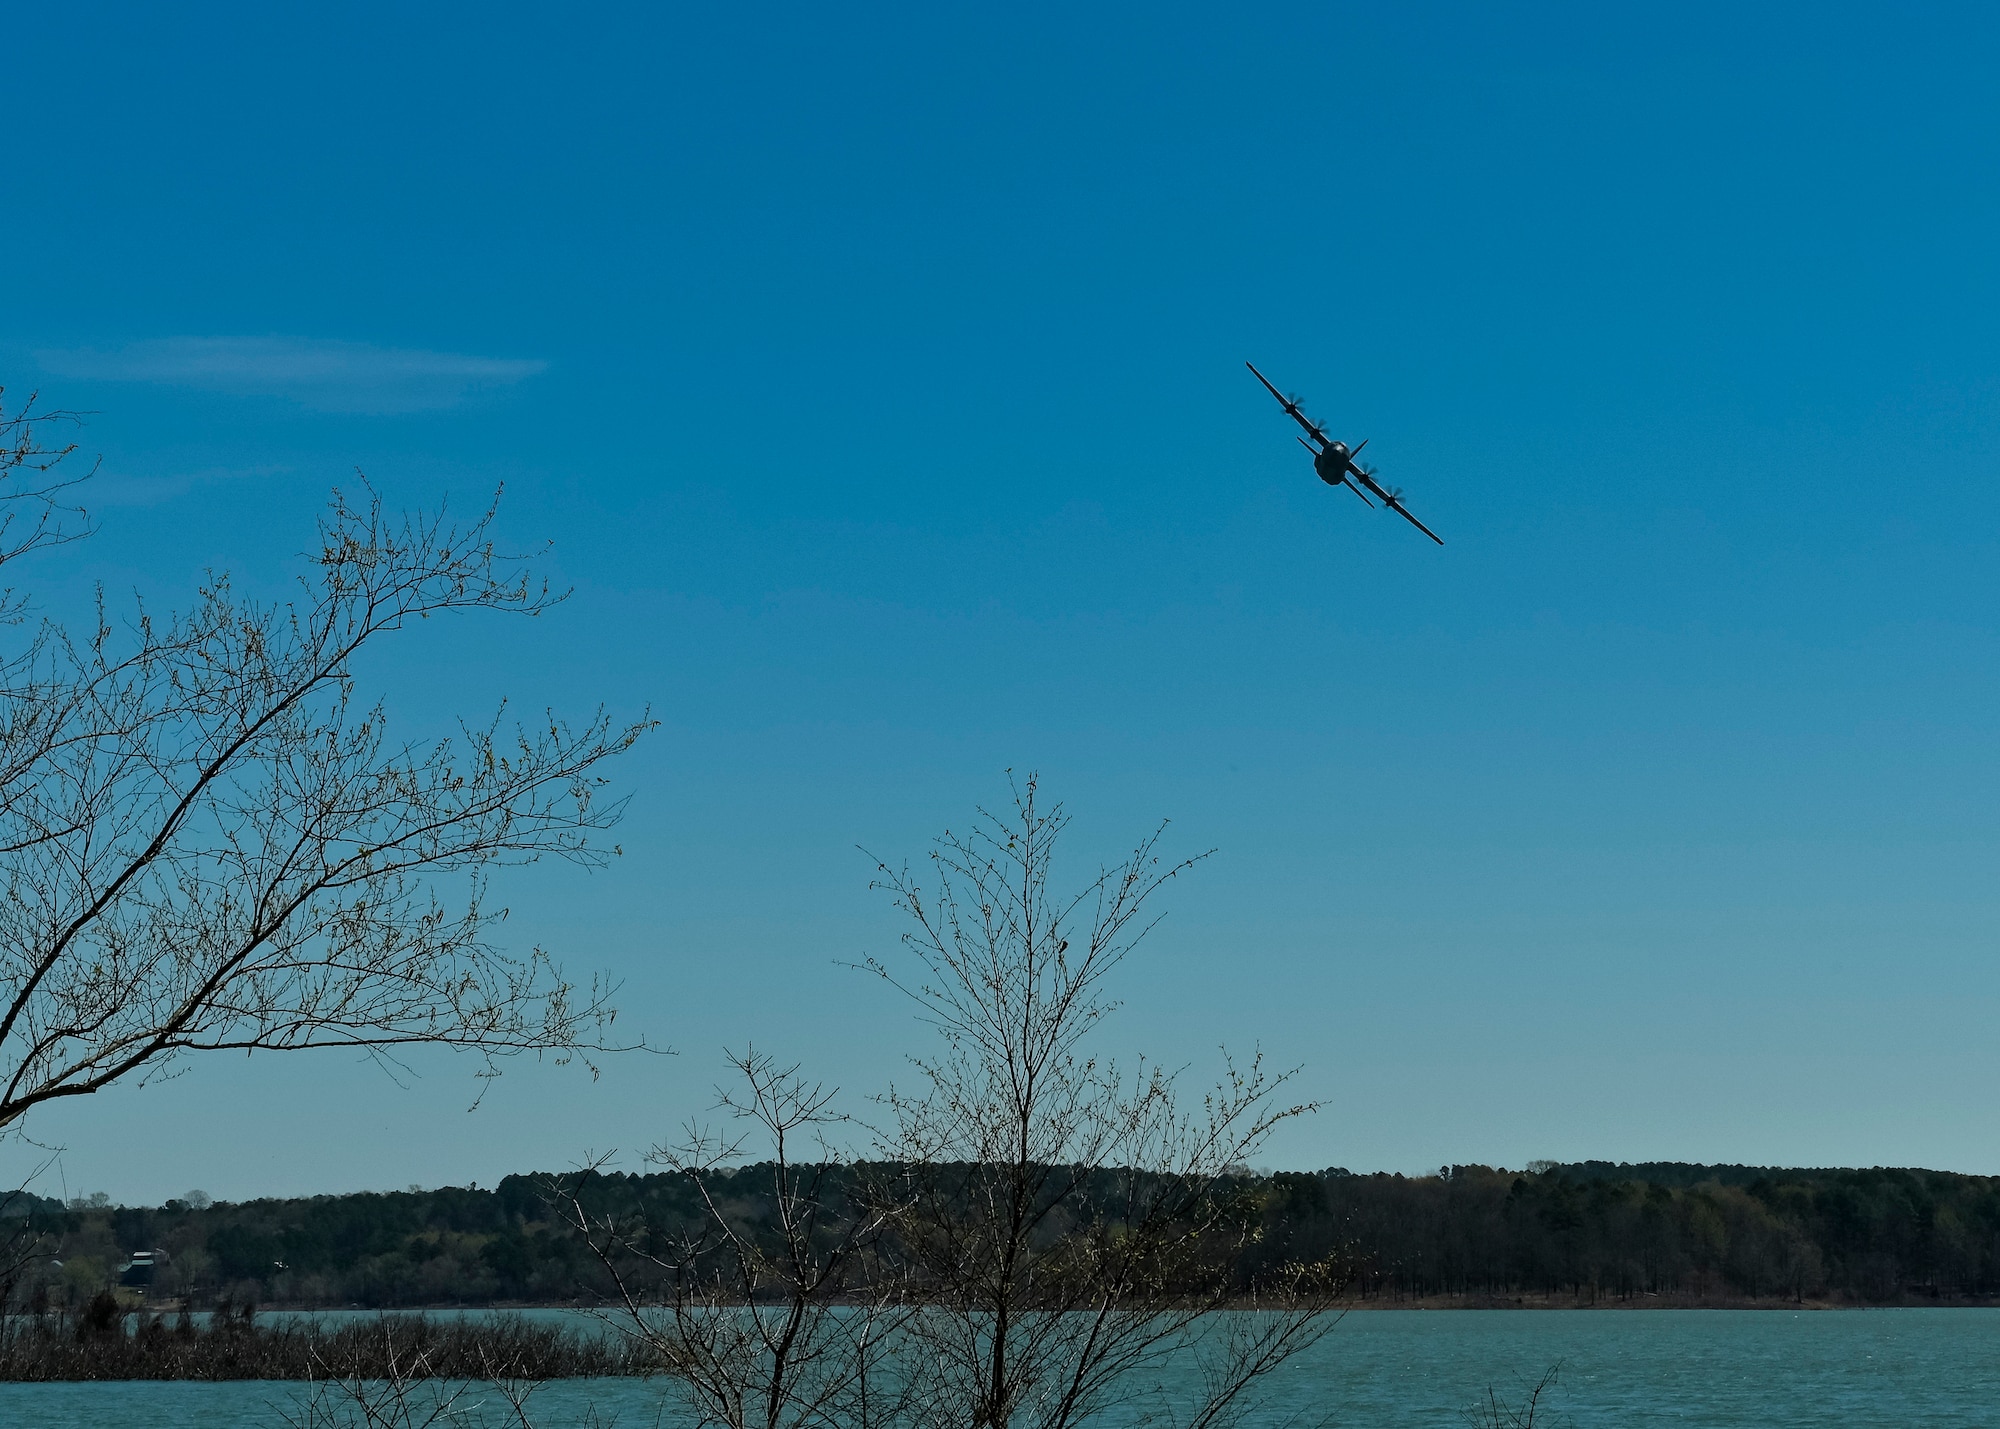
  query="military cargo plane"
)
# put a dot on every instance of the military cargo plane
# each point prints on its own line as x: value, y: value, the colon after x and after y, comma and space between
x: 1335, y: 461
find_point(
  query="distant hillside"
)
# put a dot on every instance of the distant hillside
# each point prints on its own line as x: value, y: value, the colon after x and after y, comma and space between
x: 1591, y: 1232
x: 1599, y: 1231
x: 1683, y: 1173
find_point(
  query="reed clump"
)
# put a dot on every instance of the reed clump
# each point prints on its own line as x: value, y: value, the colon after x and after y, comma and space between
x: 103, y: 1341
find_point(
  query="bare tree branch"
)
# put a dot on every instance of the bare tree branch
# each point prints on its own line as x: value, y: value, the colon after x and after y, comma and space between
x: 209, y: 843
x: 34, y: 509
x: 776, y: 1309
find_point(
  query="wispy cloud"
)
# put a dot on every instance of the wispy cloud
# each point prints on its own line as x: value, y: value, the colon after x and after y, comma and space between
x: 113, y: 489
x: 316, y: 372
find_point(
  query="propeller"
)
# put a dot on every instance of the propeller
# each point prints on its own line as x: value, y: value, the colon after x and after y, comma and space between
x: 1393, y: 495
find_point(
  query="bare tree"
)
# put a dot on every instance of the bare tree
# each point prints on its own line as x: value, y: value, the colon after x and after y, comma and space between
x: 1037, y: 1240
x: 774, y: 1309
x: 1073, y: 1228
x: 210, y: 841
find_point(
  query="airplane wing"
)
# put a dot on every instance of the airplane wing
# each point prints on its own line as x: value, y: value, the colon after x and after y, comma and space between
x: 1291, y: 407
x: 1405, y: 514
x: 1389, y: 499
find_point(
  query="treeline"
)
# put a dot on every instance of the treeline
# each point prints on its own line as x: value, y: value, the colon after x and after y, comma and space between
x: 1598, y: 1233
x: 1589, y: 1233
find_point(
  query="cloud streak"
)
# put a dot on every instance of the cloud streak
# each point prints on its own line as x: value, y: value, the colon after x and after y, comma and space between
x: 116, y: 489
x: 315, y: 372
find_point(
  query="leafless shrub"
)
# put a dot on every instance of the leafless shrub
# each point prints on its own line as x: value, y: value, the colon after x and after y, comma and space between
x: 1070, y: 1227
x: 417, y: 1387
x: 776, y: 1308
x: 105, y: 1341
x: 1037, y: 1239
x: 1532, y: 1410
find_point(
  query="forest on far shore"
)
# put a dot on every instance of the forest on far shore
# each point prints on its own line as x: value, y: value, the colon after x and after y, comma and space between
x: 1591, y: 1233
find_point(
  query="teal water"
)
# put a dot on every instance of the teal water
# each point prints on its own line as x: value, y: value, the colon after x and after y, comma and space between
x: 1386, y: 1369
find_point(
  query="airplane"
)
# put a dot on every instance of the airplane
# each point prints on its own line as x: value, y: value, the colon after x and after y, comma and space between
x: 1335, y: 461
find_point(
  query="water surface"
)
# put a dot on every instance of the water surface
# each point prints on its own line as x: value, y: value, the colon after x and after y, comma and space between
x: 1718, y: 1369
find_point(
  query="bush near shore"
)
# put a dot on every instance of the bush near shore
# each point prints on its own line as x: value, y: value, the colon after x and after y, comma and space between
x: 102, y: 1342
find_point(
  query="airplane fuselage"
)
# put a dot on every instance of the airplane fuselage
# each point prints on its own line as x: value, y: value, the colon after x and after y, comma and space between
x: 1331, y: 463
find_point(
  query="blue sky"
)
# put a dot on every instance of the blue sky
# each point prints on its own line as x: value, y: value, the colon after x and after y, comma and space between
x: 877, y: 375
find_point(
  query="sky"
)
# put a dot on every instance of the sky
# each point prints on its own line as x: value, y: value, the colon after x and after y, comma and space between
x: 877, y: 375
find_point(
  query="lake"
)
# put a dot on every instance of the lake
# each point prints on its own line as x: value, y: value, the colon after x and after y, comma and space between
x: 1384, y: 1368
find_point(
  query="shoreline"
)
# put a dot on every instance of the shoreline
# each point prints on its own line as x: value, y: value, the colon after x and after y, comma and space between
x: 1371, y: 1305
x: 1663, y: 1302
